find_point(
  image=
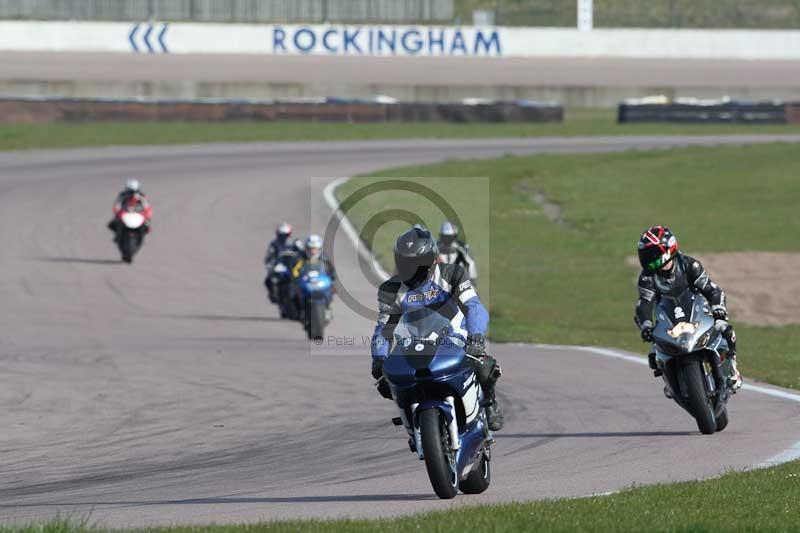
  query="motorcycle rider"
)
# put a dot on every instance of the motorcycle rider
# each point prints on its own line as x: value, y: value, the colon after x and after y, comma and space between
x: 455, y: 252
x: 312, y: 253
x: 667, y: 271
x: 422, y: 280
x: 131, y: 198
x: 280, y: 243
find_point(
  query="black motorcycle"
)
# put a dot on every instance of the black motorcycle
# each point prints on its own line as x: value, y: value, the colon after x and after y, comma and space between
x: 280, y: 277
x: 691, y: 354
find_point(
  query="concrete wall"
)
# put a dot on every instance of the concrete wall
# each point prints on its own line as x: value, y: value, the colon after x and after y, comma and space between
x: 396, y: 40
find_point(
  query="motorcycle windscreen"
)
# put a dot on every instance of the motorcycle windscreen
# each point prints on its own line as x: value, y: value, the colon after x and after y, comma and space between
x: 314, y: 278
x: 683, y: 323
x: 424, y: 341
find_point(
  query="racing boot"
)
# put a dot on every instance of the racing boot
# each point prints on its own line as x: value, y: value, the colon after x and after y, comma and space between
x: 651, y: 360
x: 488, y: 372
x: 734, y: 377
x: 494, y: 417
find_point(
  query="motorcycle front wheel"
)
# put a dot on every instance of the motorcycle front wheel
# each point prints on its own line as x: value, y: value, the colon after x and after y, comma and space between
x: 316, y: 319
x: 699, y: 401
x: 439, y: 459
x: 128, y: 246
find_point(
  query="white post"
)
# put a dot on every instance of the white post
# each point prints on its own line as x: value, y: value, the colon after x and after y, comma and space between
x: 585, y: 15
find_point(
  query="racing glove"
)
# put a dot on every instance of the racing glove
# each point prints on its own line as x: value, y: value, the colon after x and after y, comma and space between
x: 476, y: 345
x: 719, y: 312
x: 377, y: 373
x: 377, y: 367
x: 647, y: 334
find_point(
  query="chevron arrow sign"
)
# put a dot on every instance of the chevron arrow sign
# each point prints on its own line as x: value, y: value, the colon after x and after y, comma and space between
x: 149, y: 37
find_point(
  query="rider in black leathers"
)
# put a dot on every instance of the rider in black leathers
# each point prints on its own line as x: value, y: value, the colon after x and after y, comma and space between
x: 666, y: 271
x: 280, y: 243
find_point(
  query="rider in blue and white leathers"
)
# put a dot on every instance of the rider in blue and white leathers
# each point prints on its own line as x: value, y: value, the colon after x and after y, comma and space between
x: 422, y: 282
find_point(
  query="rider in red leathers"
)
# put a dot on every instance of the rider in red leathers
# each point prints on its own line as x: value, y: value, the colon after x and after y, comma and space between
x: 130, y: 199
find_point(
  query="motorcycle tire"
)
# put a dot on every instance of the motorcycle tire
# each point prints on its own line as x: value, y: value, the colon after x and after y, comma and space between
x: 316, y: 320
x: 699, y: 402
x: 722, y: 419
x: 435, y: 445
x: 479, y: 478
x: 127, y: 247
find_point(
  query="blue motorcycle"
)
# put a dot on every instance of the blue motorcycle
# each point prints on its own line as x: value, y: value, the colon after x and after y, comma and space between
x: 441, y: 403
x: 314, y: 295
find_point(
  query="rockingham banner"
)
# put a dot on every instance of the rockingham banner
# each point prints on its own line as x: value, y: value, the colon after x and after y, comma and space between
x: 152, y: 37
x: 385, y: 40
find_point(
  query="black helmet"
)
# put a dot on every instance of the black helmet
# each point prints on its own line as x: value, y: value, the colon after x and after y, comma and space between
x: 415, y: 253
x: 657, y: 246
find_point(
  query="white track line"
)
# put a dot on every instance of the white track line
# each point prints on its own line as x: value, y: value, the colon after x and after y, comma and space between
x: 790, y: 454
x: 349, y: 230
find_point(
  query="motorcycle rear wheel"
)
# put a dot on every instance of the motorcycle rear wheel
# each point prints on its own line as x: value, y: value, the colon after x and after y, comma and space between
x: 441, y: 471
x: 722, y: 419
x: 479, y: 478
x: 699, y: 402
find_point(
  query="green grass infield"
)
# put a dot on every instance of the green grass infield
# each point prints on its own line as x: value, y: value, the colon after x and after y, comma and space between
x: 562, y: 274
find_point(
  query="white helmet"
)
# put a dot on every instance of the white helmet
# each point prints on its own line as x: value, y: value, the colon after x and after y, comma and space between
x: 448, y: 228
x: 448, y: 233
x: 313, y: 245
x: 132, y: 185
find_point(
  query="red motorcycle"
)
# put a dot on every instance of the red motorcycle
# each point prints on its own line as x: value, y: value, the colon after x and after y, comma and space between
x: 132, y: 225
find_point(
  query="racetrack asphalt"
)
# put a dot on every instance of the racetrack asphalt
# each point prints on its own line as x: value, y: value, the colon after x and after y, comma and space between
x: 168, y: 391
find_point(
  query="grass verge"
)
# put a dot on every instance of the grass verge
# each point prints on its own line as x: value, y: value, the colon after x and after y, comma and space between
x: 759, y: 500
x: 577, y: 123
x: 565, y: 281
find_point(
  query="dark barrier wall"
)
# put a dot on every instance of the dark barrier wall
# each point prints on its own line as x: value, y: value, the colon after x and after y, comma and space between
x: 793, y: 113
x: 732, y: 112
x: 79, y: 110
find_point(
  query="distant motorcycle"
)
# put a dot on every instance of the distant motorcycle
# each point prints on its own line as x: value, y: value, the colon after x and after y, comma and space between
x: 281, y: 279
x: 691, y: 353
x: 314, y: 295
x: 440, y: 402
x: 131, y: 233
